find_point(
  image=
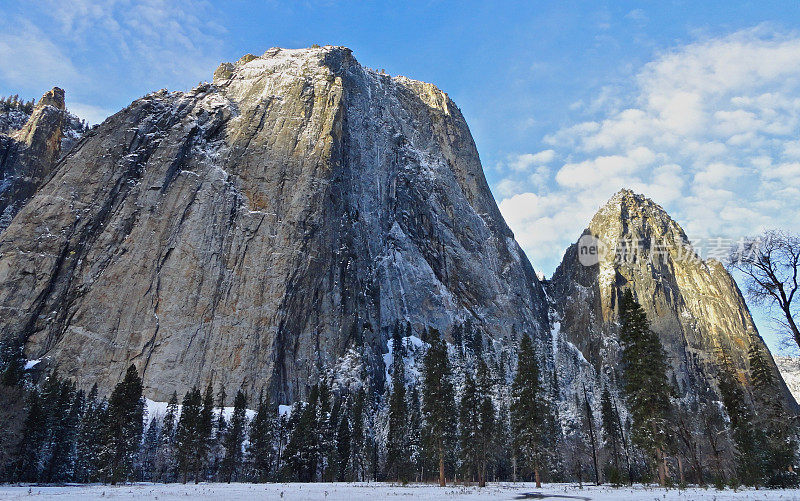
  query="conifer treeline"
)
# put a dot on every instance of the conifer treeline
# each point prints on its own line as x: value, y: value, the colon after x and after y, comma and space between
x: 13, y: 103
x: 449, y: 412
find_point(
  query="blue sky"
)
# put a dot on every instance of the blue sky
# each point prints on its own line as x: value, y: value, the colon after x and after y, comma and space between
x: 696, y: 104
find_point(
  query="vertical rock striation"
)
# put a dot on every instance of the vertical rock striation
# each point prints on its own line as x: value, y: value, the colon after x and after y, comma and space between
x: 694, y: 305
x: 29, y: 155
x: 255, y: 229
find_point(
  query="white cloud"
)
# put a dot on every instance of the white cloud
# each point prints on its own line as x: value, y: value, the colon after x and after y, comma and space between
x: 709, y: 131
x: 120, y: 46
x: 92, y: 114
x: 29, y: 58
x: 525, y: 161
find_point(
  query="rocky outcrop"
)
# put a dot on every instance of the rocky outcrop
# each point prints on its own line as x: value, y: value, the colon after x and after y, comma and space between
x: 254, y: 229
x: 694, y: 305
x: 29, y: 154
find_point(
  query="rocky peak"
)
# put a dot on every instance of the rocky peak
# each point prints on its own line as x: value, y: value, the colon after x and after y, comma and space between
x: 29, y: 154
x: 43, y: 131
x: 262, y: 229
x: 54, y: 97
x: 694, y: 305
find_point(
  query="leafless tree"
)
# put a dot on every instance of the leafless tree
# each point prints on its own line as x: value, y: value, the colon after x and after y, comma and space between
x: 770, y: 263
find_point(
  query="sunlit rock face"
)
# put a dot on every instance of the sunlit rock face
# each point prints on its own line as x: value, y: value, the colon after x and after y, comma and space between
x: 694, y: 305
x: 256, y: 229
x: 30, y: 146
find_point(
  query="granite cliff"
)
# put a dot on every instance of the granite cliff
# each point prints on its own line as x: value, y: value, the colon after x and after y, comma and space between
x: 693, y: 304
x: 30, y: 146
x: 277, y: 223
x: 256, y: 229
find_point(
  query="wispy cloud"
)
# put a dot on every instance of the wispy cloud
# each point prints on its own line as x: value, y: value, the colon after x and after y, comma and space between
x: 29, y: 57
x: 709, y: 131
x: 96, y: 50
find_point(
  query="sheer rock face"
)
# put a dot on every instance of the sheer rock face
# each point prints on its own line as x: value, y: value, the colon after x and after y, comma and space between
x: 255, y: 229
x: 694, y: 305
x: 29, y: 154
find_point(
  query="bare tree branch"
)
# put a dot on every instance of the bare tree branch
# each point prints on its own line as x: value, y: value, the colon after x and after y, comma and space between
x: 770, y: 264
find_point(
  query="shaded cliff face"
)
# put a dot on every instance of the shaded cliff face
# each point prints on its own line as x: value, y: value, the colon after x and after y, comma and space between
x: 694, y: 305
x: 254, y: 229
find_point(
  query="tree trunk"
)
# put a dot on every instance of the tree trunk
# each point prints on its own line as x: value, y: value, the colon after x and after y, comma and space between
x: 680, y: 469
x: 660, y: 462
x: 514, y: 468
x: 537, y: 477
x: 442, y: 482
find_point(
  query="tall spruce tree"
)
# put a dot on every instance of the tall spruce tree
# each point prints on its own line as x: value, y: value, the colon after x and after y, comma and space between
x: 397, y: 453
x: 166, y: 461
x: 486, y: 421
x: 234, y: 437
x: 771, y: 418
x: 415, y: 433
x: 260, y: 448
x: 438, y: 401
x: 748, y: 438
x: 469, y: 429
x: 611, y: 434
x: 123, y: 428
x: 187, y: 434
x: 589, y: 426
x: 502, y: 445
x: 34, y: 435
x: 647, y: 389
x: 532, y: 421
x: 149, y: 451
x: 343, y: 445
x: 326, y: 448
x: 90, y: 438
x: 302, y: 451
x: 205, y: 429
x: 358, y: 437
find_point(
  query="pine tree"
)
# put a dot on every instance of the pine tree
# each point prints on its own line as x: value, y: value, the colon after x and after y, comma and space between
x: 771, y: 418
x: 302, y: 451
x: 205, y: 429
x: 34, y: 435
x: 486, y: 422
x: 397, y: 440
x: 260, y: 449
x: 611, y: 433
x: 61, y: 424
x: 149, y: 451
x: 646, y: 386
x: 414, y: 433
x: 165, y: 461
x: 438, y: 401
x: 531, y: 414
x: 90, y: 438
x: 234, y: 437
x: 187, y: 434
x: 123, y: 428
x: 217, y: 449
x: 358, y: 438
x: 748, y: 439
x: 343, y: 447
x: 327, y: 418
x: 503, y: 447
x: 589, y: 425
x: 469, y: 429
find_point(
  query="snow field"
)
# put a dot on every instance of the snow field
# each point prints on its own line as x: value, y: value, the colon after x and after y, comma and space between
x: 377, y: 491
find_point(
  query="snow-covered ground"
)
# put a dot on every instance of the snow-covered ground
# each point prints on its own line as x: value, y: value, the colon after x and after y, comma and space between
x: 377, y: 491
x: 790, y: 370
